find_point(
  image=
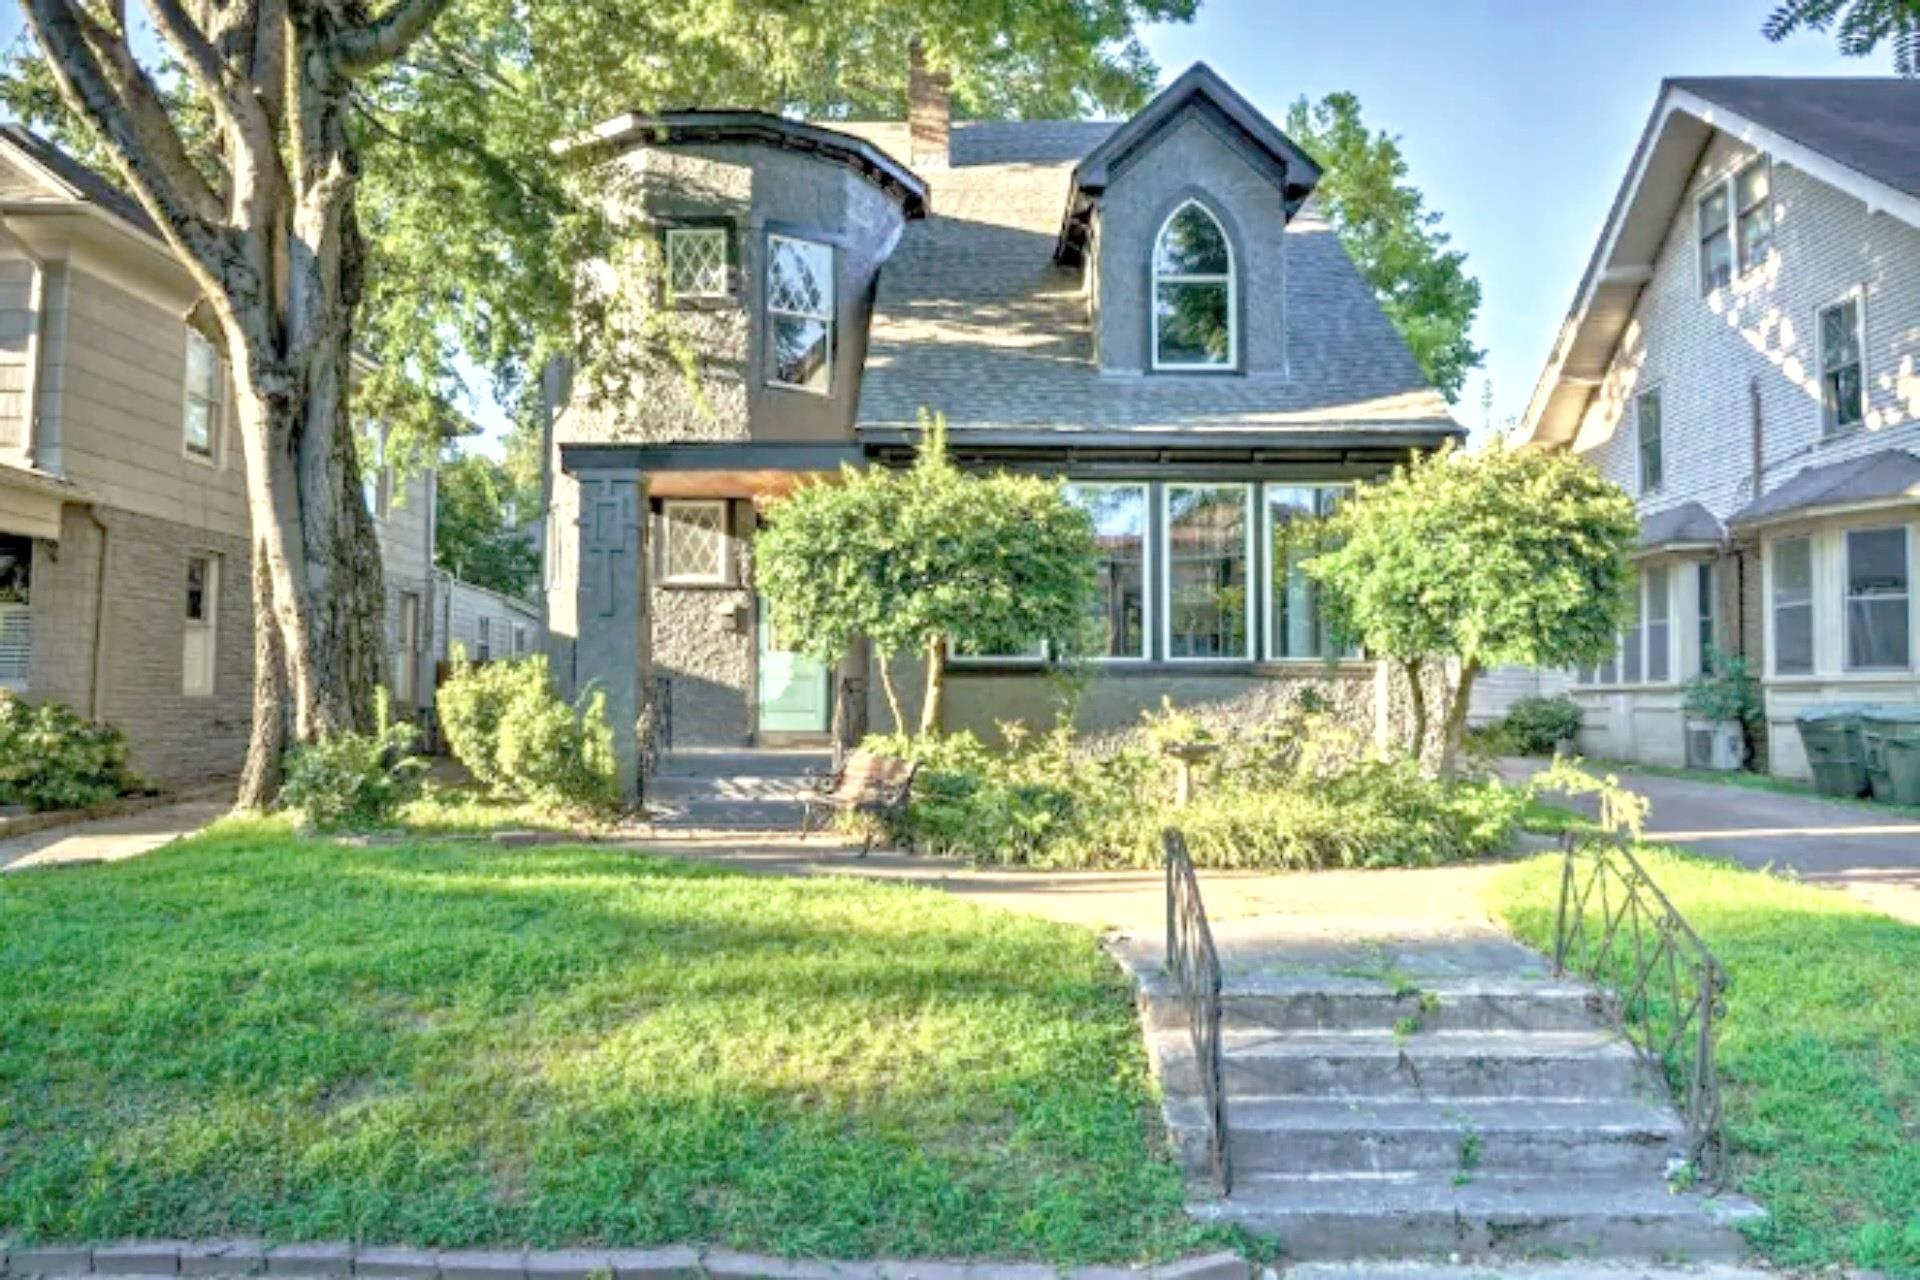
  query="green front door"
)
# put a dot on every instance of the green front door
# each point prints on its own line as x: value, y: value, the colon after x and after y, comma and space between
x: 793, y: 687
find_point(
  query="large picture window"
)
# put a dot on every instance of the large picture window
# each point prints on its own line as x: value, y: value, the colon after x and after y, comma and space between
x: 1877, y: 609
x: 1208, y: 528
x: 1193, y: 292
x: 1792, y: 606
x: 1119, y: 514
x: 800, y: 314
x: 1295, y: 627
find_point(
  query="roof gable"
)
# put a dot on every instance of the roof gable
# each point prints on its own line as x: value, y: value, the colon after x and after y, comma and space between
x: 64, y: 178
x: 1198, y: 88
x: 1808, y: 123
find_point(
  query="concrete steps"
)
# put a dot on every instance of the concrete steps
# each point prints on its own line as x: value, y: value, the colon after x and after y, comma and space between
x: 1491, y: 1114
x: 734, y: 790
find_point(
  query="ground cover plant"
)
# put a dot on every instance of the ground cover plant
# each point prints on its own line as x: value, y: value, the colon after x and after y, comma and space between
x: 1819, y: 1052
x: 1297, y: 793
x: 50, y: 758
x: 451, y: 1044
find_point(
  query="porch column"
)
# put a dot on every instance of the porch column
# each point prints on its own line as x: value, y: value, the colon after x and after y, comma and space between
x: 610, y: 652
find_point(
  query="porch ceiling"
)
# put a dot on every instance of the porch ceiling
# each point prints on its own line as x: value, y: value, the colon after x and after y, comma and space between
x: 730, y: 484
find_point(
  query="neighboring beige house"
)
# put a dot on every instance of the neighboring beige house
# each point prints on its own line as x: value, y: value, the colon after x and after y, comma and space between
x: 1743, y: 355
x: 123, y: 548
x: 487, y: 625
x: 123, y: 551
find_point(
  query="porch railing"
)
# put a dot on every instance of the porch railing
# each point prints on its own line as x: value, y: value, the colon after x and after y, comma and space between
x: 1195, y: 966
x: 1664, y: 988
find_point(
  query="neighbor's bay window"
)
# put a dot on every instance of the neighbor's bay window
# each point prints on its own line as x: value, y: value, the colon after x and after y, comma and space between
x: 1659, y: 630
x: 1119, y: 513
x: 1703, y: 618
x: 799, y: 314
x: 1193, y: 292
x: 1208, y: 532
x: 1294, y: 531
x: 1877, y: 615
x: 1792, y: 590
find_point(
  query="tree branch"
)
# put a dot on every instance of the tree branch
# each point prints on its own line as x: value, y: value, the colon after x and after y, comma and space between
x: 242, y: 114
x: 100, y: 80
x: 364, y: 46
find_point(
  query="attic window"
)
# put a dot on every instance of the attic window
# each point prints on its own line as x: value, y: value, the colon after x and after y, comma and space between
x: 1193, y: 292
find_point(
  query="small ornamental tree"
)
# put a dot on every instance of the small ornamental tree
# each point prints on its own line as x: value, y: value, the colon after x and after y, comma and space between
x: 925, y: 560
x: 1502, y: 556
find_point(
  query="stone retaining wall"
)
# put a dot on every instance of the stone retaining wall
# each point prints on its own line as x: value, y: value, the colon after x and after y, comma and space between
x: 677, y: 1262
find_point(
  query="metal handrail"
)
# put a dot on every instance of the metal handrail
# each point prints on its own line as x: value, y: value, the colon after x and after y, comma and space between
x: 1666, y: 990
x: 1195, y: 966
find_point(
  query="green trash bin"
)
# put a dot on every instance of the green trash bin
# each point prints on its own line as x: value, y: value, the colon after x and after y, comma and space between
x: 1897, y: 733
x: 1835, y: 748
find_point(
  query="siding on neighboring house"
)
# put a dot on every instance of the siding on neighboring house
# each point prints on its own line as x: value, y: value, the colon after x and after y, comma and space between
x: 1717, y: 358
x: 16, y: 329
x: 406, y: 559
x: 1495, y: 691
x: 464, y: 607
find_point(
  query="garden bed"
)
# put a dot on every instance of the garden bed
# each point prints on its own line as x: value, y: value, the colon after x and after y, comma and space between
x: 250, y: 1034
x: 1819, y: 1052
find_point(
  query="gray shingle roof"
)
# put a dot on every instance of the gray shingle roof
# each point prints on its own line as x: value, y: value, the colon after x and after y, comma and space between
x: 1886, y: 473
x: 85, y: 183
x: 1871, y: 124
x: 975, y: 320
x: 1687, y: 523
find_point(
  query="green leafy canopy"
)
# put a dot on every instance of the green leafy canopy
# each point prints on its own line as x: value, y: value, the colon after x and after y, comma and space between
x: 1502, y: 556
x: 1393, y: 237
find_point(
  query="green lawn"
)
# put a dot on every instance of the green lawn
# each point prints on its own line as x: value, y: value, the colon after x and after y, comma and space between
x: 450, y: 1045
x: 1820, y: 1052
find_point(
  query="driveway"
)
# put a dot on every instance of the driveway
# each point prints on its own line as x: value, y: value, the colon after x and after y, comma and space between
x: 1871, y: 853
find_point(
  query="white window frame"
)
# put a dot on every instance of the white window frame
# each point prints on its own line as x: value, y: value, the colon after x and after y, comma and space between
x: 1771, y: 556
x: 1655, y: 392
x: 1156, y: 279
x: 215, y: 402
x: 829, y: 319
x: 1164, y: 555
x: 1736, y: 212
x: 1647, y: 597
x: 1721, y: 187
x: 1706, y: 612
x: 1847, y: 597
x: 200, y: 681
x: 718, y: 577
x: 673, y: 236
x: 1149, y: 561
x: 483, y: 638
x: 1829, y: 428
x: 1268, y: 646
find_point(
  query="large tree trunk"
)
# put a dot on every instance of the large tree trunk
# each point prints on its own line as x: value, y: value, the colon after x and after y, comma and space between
x: 260, y: 778
x: 936, y: 686
x: 1453, y: 743
x: 885, y: 662
x: 1417, y: 693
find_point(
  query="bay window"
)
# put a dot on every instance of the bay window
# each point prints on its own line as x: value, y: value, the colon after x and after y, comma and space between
x: 1208, y: 536
x: 1704, y: 614
x: 1876, y: 617
x: 1658, y: 629
x: 800, y: 306
x: 1792, y: 603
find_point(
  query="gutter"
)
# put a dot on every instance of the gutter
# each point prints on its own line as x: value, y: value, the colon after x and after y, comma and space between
x: 36, y: 346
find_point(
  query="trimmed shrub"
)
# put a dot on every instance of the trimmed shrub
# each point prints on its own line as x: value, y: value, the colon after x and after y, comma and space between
x: 1535, y: 726
x: 505, y: 723
x: 50, y: 758
x: 355, y: 781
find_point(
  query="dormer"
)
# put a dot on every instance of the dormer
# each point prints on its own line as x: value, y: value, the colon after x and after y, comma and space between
x: 1179, y: 220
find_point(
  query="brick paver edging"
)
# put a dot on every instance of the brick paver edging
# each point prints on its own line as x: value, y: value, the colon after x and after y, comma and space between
x: 680, y: 1262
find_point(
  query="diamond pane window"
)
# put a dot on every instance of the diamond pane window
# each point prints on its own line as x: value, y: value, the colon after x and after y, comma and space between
x: 799, y: 314
x: 696, y: 263
x: 693, y: 542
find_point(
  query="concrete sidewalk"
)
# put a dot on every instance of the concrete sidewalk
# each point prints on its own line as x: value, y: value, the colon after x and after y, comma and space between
x: 112, y: 839
x: 1871, y: 853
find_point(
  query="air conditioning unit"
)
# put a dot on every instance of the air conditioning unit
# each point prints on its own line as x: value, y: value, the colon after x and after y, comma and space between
x: 1715, y: 744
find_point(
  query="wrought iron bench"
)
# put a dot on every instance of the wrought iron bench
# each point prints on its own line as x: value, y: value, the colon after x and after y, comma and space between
x: 864, y: 783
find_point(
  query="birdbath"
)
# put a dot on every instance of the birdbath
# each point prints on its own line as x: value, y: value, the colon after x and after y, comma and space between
x: 1187, y: 755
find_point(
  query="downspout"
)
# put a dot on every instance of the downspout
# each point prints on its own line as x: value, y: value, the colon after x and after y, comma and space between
x: 96, y: 699
x: 37, y: 304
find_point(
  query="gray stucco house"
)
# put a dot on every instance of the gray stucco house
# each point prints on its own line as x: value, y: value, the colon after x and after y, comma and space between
x: 1153, y: 309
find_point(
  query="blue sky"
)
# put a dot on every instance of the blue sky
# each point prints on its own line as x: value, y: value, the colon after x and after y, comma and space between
x: 1517, y: 118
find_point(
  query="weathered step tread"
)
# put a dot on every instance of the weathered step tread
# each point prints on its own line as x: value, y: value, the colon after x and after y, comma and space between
x: 1281, y: 1115
x: 1512, y: 1269
x: 1258, y: 1042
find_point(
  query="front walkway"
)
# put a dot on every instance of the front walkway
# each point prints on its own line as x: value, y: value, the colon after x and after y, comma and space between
x: 126, y: 835
x: 1871, y: 853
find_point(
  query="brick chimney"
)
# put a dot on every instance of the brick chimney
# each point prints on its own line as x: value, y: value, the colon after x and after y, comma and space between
x: 929, y: 110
